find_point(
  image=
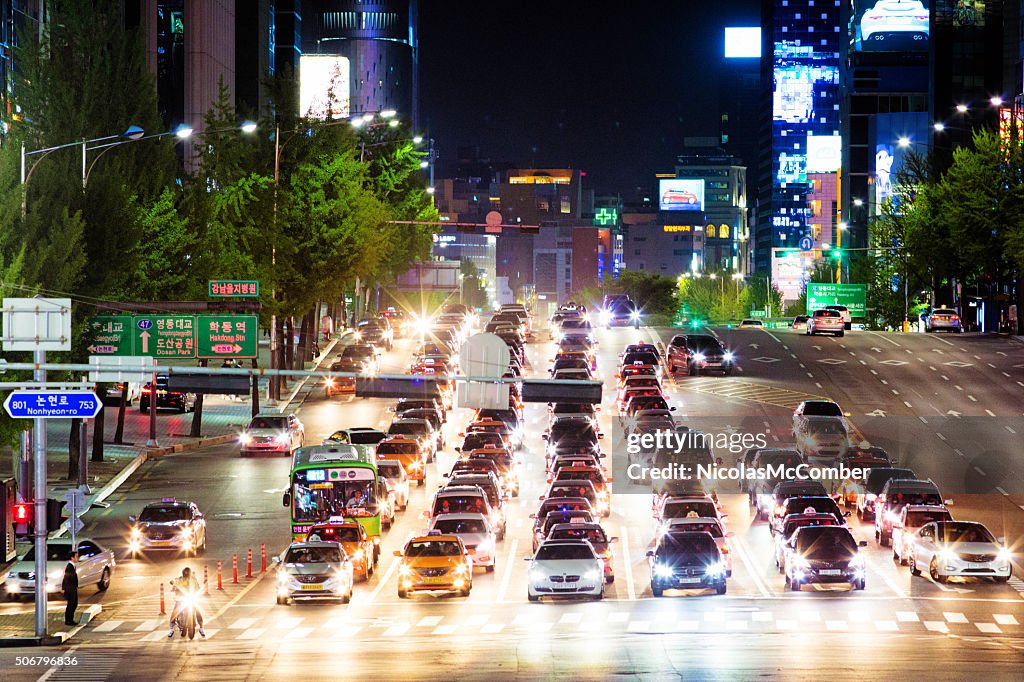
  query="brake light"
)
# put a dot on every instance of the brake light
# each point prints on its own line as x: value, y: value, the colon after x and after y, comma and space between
x: 146, y: 390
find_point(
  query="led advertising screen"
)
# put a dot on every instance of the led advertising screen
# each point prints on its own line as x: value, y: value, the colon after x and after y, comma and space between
x: 824, y: 153
x: 323, y: 86
x: 910, y: 128
x: 890, y: 25
x: 743, y: 42
x: 681, y: 194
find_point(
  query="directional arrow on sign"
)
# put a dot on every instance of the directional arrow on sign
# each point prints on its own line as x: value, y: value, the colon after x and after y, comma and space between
x: 876, y: 413
x: 102, y: 350
x: 145, y: 342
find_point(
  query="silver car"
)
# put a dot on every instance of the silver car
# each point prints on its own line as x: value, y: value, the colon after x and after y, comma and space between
x: 826, y: 322
x: 959, y: 548
x: 272, y: 433
x: 314, y: 570
x: 95, y: 566
x: 565, y: 567
x: 943, y: 319
x: 476, y: 534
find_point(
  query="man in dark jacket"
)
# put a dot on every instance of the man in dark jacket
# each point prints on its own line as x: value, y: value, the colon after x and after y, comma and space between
x: 70, y: 588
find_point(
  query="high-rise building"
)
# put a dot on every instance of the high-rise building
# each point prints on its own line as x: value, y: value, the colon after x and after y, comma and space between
x: 726, y: 229
x: 380, y: 41
x: 802, y: 54
x: 16, y: 18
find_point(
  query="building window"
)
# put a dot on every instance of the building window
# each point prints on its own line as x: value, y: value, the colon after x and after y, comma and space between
x: 711, y: 231
x: 636, y: 252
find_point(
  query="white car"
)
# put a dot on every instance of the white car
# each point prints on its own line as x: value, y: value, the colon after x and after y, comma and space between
x: 705, y: 524
x: 95, y: 567
x: 959, y: 548
x: 314, y: 570
x: 476, y: 534
x: 826, y: 322
x: 912, y: 518
x: 890, y: 17
x: 565, y: 567
x: 272, y: 433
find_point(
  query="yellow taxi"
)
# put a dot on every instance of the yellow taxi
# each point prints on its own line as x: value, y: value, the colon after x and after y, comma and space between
x: 411, y: 452
x: 435, y: 562
x: 352, y: 537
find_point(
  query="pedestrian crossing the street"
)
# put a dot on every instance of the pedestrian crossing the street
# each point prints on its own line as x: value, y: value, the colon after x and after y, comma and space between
x: 669, y: 617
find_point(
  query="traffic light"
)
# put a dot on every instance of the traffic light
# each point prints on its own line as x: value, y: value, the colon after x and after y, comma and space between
x: 23, y: 512
x: 837, y: 254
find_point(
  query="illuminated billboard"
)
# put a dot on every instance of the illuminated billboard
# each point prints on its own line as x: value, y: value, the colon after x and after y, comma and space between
x: 323, y: 86
x: 824, y: 153
x: 889, y: 130
x: 742, y: 42
x: 890, y: 25
x: 680, y: 194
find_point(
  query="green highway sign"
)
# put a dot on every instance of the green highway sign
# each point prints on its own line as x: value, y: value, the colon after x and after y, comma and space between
x: 165, y: 336
x: 853, y: 296
x: 175, y: 336
x: 230, y: 288
x: 110, y: 335
x: 228, y: 336
x: 758, y: 313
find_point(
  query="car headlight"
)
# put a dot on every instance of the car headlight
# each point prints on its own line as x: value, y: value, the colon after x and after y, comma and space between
x: 714, y: 570
x: 729, y: 356
x: 245, y: 439
x: 801, y: 563
x: 404, y: 570
x: 282, y: 577
x: 136, y: 533
x: 606, y: 317
x: 635, y: 315
x: 536, y: 575
x: 358, y: 555
x: 947, y: 554
x: 461, y: 569
x: 857, y: 562
x: 663, y: 570
x: 357, y: 335
x: 892, y: 517
x: 591, y: 575
x: 283, y: 438
x: 186, y: 532
x: 329, y: 382
x: 56, y: 576
x: 698, y: 357
x: 1004, y: 556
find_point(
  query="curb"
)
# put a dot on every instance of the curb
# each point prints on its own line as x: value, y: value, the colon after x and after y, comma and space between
x: 146, y: 455
x: 88, y: 615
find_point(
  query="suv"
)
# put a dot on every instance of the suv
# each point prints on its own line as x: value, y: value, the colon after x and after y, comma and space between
x: 897, y: 493
x: 943, y: 319
x: 699, y: 353
x: 845, y: 312
x: 823, y: 554
x: 314, y: 570
x: 178, y: 400
x: 826, y: 321
x: 272, y: 433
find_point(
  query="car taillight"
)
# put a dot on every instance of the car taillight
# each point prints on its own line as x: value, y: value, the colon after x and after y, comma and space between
x: 146, y: 390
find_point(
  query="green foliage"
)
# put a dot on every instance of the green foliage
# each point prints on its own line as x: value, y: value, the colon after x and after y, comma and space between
x: 654, y: 294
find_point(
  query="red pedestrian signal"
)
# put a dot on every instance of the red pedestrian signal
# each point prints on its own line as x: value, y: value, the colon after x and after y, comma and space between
x: 22, y: 512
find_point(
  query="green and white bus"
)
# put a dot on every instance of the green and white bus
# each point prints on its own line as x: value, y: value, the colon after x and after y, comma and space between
x: 331, y: 481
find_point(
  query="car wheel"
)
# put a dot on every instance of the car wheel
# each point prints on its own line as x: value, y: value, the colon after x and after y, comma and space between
x: 860, y: 584
x: 532, y: 597
x: 884, y: 539
x: 722, y: 587
x: 282, y: 601
x: 914, y: 570
x: 933, y: 571
x: 841, y: 334
x: 104, y: 582
x: 402, y: 594
x: 656, y: 591
x: 143, y: 409
x: 895, y: 556
x: 420, y: 482
x: 727, y: 372
x: 794, y: 585
x: 348, y: 596
x: 609, y: 579
x: 1002, y: 578
x: 490, y: 569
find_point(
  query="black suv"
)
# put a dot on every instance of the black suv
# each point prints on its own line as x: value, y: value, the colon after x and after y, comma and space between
x: 686, y: 561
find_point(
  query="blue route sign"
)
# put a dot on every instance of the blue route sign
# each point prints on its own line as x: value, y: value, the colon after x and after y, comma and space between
x: 806, y: 243
x: 52, y: 404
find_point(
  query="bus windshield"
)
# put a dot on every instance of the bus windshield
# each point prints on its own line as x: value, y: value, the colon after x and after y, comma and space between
x: 315, y: 500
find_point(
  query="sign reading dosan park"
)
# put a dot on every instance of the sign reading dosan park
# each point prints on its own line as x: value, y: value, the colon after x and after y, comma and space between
x: 853, y: 296
x: 175, y: 336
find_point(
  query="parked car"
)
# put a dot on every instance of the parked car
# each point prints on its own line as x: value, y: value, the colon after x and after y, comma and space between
x: 95, y: 566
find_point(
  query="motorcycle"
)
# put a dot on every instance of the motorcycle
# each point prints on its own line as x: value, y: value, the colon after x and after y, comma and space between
x: 187, y: 615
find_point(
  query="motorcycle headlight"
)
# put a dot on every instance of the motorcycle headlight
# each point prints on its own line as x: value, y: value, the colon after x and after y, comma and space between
x: 662, y: 570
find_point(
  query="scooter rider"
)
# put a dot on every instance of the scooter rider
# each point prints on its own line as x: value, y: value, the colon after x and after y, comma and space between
x: 181, y: 585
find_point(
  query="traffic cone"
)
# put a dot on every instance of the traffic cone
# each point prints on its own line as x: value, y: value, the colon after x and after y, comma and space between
x: 248, y: 566
x: 163, y: 610
x: 234, y: 569
x: 220, y: 577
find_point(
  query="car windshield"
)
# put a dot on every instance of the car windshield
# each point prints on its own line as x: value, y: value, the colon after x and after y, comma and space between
x: 823, y: 520
x: 643, y: 358
x: 453, y: 526
x: 564, y: 552
x: 572, y: 490
x: 821, y: 408
x: 357, y: 351
x: 397, y: 449
x: 165, y: 514
x: 407, y: 428
x: 916, y: 519
x: 269, y: 423
x: 596, y: 536
x: 800, y: 488
x: 823, y: 542
x: 642, y: 382
x: 390, y: 469
x: 684, y: 544
x: 365, y: 437
x: 703, y: 343
x: 827, y: 427
x: 451, y: 504
x: 879, y: 477
x: 964, y: 532
x: 702, y: 527
x: 313, y: 555
x: 428, y: 548
x: 827, y: 313
x: 481, y: 439
x: 54, y: 552
x: 680, y: 510
x: 332, y: 534
x: 820, y: 505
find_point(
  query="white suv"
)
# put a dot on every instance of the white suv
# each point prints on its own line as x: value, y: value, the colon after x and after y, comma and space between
x: 826, y: 322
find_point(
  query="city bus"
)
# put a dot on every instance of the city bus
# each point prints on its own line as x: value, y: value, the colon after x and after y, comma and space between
x: 335, y: 480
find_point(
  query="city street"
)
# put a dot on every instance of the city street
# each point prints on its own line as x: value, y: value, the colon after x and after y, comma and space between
x: 949, y: 407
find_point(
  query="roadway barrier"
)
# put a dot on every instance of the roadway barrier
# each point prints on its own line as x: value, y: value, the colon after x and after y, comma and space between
x: 263, y: 557
x: 248, y: 566
x: 234, y: 569
x: 220, y: 576
x: 163, y: 610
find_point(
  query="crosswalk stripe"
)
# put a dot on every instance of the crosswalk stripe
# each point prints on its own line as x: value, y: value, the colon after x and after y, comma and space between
x: 286, y: 623
x: 737, y: 624
x: 990, y: 628
x: 1004, y: 619
x: 445, y: 630
x: 242, y: 624
x: 955, y: 617
x: 936, y: 626
x: 762, y: 616
x: 492, y: 629
x: 155, y: 636
x: 252, y: 633
x: 477, y: 620
x: 396, y: 630
x: 886, y: 626
x: 108, y: 626
x: 810, y: 616
x: 785, y: 624
x: 638, y: 626
x: 148, y: 625
x: 687, y: 625
x: 299, y: 633
x: 572, y: 617
x: 860, y: 616
x: 907, y: 617
x: 714, y: 616
x: 837, y: 625
x: 429, y: 621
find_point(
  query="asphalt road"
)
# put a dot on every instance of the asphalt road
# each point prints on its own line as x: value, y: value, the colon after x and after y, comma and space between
x: 898, y: 626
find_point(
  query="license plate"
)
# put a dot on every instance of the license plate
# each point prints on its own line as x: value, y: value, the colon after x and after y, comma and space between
x: 689, y: 580
x: 830, y: 571
x: 159, y: 542
x: 714, y: 364
x: 434, y: 581
x: 978, y: 566
x: 312, y: 588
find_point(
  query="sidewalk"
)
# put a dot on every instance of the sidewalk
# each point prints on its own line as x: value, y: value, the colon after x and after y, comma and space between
x: 17, y: 628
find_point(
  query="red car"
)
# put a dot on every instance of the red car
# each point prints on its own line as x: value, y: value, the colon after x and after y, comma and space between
x: 678, y: 196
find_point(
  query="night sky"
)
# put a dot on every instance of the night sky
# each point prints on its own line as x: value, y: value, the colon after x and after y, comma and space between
x: 609, y: 89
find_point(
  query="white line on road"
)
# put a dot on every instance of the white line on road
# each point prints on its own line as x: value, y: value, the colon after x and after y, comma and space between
x: 772, y: 335
x: 977, y: 357
x: 932, y: 368
x: 810, y: 375
x: 874, y: 372
x: 941, y: 437
x: 990, y: 413
x: 627, y: 562
x: 936, y: 338
x: 1010, y: 429
x: 1006, y: 374
x: 740, y: 548
x: 510, y: 561
x: 998, y: 489
x: 884, y: 382
x: 895, y: 392
x: 802, y: 365
x: 972, y: 398
x: 863, y: 363
x: 991, y: 365
x: 958, y: 387
x: 886, y: 339
x: 794, y: 355
x: 999, y: 352
x: 818, y: 384
x: 384, y: 580
x: 923, y: 420
x: 960, y: 452
x: 785, y: 347
x: 980, y: 471
x: 907, y: 404
x: 945, y: 377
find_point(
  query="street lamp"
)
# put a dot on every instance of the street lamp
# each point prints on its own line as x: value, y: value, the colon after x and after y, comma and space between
x: 996, y: 101
x: 904, y: 141
x: 961, y: 108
